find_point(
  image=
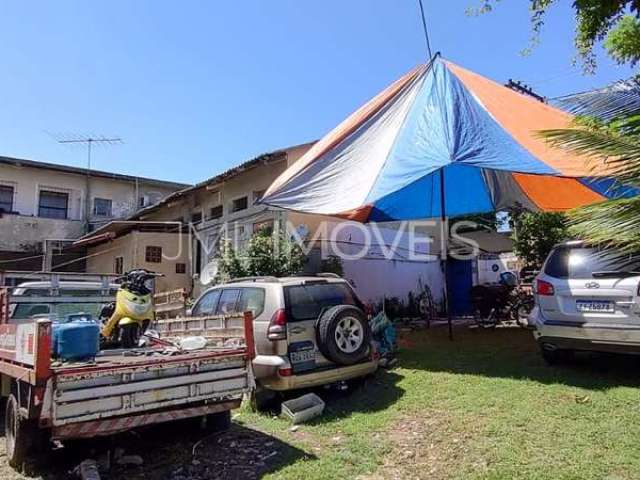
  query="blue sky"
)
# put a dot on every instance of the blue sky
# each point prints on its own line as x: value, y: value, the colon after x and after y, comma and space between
x: 194, y: 87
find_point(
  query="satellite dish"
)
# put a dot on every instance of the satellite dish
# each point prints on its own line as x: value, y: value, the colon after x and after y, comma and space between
x: 209, y: 272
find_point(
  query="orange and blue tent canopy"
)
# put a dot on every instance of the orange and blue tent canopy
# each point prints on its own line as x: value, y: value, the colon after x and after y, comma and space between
x: 441, y: 125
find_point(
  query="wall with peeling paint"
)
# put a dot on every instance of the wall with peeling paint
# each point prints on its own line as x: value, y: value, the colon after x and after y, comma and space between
x: 23, y: 230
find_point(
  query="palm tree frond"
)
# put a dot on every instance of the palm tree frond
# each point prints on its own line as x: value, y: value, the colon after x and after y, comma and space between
x: 619, y: 99
x: 607, y: 153
x: 613, y: 222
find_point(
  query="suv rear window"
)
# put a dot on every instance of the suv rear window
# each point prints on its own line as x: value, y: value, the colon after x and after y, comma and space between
x: 306, y: 302
x: 581, y: 262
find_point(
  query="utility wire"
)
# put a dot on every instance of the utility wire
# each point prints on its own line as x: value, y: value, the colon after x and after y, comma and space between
x: 426, y: 30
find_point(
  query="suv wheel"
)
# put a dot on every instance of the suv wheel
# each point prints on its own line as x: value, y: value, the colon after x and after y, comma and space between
x: 344, y: 335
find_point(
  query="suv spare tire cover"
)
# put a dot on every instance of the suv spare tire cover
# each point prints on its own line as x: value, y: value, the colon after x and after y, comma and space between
x: 343, y: 334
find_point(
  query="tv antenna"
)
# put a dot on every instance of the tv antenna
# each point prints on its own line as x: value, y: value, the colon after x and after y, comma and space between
x: 90, y: 141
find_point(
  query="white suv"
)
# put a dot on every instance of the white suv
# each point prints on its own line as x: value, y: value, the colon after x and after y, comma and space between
x: 309, y: 331
x: 586, y: 298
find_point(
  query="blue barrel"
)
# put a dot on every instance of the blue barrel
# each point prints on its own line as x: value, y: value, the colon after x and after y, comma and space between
x: 76, y: 340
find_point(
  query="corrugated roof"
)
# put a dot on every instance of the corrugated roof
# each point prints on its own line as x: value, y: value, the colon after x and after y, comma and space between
x: 276, y: 155
x: 118, y: 228
x: 21, y: 162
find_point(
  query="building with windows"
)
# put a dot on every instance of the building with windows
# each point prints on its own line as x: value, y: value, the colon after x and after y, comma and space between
x: 161, y: 247
x: 43, y: 206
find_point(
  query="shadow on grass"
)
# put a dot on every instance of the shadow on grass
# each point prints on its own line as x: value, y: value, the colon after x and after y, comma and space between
x: 511, y: 353
x: 370, y: 394
x: 179, y: 450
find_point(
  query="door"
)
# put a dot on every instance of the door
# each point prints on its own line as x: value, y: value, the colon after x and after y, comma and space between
x: 460, y: 279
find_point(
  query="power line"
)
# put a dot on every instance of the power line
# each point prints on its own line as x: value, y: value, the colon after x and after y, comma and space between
x: 426, y: 30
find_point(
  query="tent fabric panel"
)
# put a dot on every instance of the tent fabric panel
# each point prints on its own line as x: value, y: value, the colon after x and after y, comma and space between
x: 505, y: 192
x: 523, y: 117
x: 447, y: 125
x: 465, y: 193
x: 418, y: 200
x: 556, y: 193
x: 346, y: 128
x: 340, y: 180
x: 609, y: 188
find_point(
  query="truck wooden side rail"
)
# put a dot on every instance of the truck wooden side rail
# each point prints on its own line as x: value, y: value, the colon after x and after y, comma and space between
x: 120, y: 389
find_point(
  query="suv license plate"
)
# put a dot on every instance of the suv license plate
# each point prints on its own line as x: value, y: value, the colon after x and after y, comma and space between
x: 303, y: 356
x: 595, y: 306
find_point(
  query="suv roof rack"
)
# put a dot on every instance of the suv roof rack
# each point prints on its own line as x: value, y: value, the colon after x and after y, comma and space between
x: 319, y: 274
x: 265, y: 278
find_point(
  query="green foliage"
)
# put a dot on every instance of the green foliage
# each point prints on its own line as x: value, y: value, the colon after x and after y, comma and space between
x: 535, y: 233
x: 230, y: 264
x: 623, y: 42
x: 268, y: 253
x: 596, y: 20
x: 613, y: 222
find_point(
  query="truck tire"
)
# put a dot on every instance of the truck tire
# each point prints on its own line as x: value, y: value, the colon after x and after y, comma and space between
x: 343, y: 334
x: 20, y: 435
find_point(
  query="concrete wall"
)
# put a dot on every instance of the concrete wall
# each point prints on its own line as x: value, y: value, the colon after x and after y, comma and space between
x: 132, y: 248
x: 26, y: 234
x: 489, y: 269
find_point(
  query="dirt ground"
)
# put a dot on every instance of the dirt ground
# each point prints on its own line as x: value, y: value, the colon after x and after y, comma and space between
x: 177, y: 451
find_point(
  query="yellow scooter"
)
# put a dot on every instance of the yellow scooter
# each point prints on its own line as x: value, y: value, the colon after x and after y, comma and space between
x: 133, y: 311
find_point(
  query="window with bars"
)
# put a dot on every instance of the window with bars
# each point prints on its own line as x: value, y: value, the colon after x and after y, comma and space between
x: 53, y: 204
x: 153, y: 254
x: 181, y: 268
x: 239, y: 204
x: 196, y: 217
x: 215, y: 212
x: 102, y: 207
x: 6, y: 198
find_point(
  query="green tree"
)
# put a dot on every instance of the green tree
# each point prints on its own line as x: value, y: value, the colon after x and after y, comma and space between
x: 535, y: 233
x: 614, y: 22
x: 268, y: 253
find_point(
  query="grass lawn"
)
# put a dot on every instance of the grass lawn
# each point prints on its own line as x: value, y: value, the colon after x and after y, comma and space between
x: 484, y: 406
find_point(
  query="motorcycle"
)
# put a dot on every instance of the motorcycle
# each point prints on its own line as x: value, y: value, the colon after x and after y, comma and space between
x: 501, y: 303
x: 124, y: 321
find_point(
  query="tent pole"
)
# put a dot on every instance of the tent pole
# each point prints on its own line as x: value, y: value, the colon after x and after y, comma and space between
x: 444, y: 232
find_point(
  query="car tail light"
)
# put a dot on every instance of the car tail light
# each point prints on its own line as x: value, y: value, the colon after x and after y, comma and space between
x: 278, y: 326
x: 285, y: 372
x: 544, y: 288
